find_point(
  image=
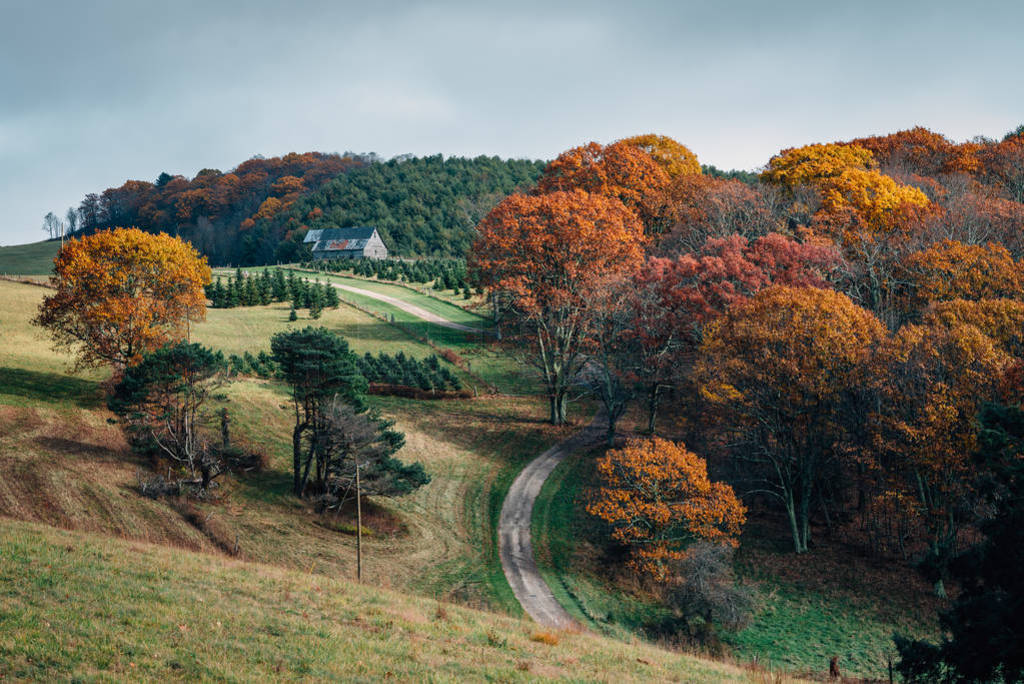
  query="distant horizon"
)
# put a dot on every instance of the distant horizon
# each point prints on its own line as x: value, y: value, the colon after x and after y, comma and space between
x: 97, y: 94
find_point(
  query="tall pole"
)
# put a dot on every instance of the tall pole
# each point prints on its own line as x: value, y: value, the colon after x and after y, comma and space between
x: 359, y: 529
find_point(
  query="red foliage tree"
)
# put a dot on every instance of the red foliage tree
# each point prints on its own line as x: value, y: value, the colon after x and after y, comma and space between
x: 548, y: 254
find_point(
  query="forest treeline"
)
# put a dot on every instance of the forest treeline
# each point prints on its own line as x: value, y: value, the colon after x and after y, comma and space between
x: 258, y: 212
x: 827, y: 337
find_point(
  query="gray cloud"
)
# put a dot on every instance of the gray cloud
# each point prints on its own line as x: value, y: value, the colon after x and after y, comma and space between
x: 94, y: 93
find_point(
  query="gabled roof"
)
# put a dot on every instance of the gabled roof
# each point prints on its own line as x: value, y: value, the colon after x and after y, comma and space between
x: 333, y: 234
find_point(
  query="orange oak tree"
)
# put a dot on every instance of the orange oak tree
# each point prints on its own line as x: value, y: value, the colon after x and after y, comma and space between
x: 548, y: 255
x: 782, y: 369
x: 1002, y: 320
x: 952, y: 270
x: 619, y: 170
x: 121, y: 293
x: 658, y: 498
x: 931, y: 382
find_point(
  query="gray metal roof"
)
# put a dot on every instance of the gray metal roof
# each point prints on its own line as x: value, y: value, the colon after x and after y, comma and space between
x: 338, y: 234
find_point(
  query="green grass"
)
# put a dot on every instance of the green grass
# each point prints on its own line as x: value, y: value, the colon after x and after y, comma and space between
x: 32, y: 259
x: 850, y: 610
x: 31, y: 372
x: 471, y: 448
x: 567, y: 561
x: 84, y: 607
x: 495, y: 366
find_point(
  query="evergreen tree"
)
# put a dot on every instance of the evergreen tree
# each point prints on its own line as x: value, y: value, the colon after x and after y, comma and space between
x: 280, y: 286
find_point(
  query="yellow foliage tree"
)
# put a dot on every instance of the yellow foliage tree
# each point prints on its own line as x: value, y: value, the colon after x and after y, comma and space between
x: 779, y: 370
x: 674, y: 157
x: 121, y: 293
x: 811, y: 164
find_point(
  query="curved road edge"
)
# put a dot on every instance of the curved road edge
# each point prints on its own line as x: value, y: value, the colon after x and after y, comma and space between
x: 515, y: 545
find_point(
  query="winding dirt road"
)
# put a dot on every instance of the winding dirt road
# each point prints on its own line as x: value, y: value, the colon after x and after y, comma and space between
x: 514, y: 542
x: 405, y: 306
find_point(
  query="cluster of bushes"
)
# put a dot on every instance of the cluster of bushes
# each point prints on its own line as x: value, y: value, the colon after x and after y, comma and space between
x: 265, y: 288
x: 445, y: 274
x: 405, y: 371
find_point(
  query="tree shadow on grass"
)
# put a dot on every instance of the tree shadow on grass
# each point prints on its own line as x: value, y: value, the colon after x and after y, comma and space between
x: 50, y: 388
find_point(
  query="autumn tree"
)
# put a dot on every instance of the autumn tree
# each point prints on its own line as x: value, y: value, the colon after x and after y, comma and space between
x: 932, y: 382
x: 547, y: 255
x: 919, y: 150
x: 674, y: 300
x: 700, y: 207
x: 121, y: 293
x: 952, y: 270
x: 657, y: 497
x: 782, y: 369
x: 1001, y: 320
x: 620, y: 170
x: 812, y: 164
x: 1004, y: 166
x: 675, y: 158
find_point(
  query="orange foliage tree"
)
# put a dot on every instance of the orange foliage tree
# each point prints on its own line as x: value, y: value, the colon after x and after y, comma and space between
x: 931, y: 383
x: 548, y: 255
x: 782, y: 369
x: 121, y: 293
x: 620, y: 170
x: 657, y: 497
x: 1002, y: 320
x: 920, y: 150
x: 952, y: 270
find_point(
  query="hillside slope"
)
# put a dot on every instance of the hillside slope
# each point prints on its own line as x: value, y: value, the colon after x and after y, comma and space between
x: 32, y: 259
x: 147, y: 612
x: 62, y: 463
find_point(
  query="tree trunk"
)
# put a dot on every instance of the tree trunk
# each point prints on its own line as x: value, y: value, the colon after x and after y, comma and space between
x: 653, y: 399
x: 553, y: 402
x: 794, y: 527
x: 556, y: 402
x: 297, y: 460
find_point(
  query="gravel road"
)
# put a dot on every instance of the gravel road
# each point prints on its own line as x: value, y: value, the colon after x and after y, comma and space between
x: 514, y: 543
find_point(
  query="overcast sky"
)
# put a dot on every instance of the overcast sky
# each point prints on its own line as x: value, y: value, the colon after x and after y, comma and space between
x: 94, y: 93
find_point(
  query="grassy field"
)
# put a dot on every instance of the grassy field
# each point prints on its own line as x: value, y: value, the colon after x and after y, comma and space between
x: 486, y: 361
x: 437, y: 541
x: 145, y: 612
x: 821, y: 604
x: 32, y: 259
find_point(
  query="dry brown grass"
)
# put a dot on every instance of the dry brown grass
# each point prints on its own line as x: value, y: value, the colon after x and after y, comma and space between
x: 545, y: 637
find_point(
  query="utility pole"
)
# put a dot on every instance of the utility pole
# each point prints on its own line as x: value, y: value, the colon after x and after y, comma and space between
x: 359, y: 528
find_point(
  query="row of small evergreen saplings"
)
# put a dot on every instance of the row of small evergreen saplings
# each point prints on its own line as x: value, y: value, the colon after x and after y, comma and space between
x: 399, y: 370
x: 267, y: 287
x: 446, y: 274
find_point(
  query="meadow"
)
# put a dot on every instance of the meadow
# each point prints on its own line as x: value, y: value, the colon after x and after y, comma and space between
x: 829, y: 602
x: 63, y: 463
x: 147, y: 612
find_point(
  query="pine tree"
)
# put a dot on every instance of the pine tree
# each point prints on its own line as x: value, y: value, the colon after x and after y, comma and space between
x: 279, y: 286
x: 331, y: 298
